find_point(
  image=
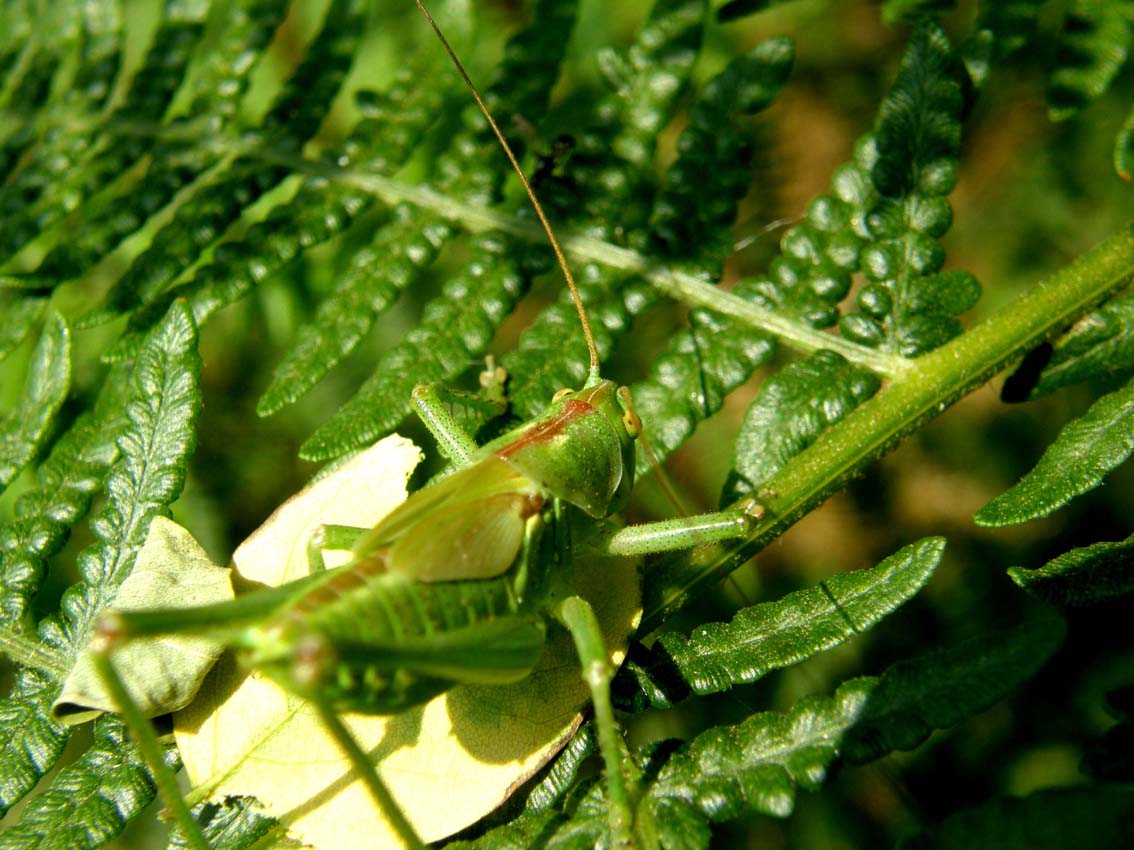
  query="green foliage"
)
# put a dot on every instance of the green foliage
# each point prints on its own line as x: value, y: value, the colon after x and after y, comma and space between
x: 160, y: 399
x: 1011, y: 23
x: 1084, y: 576
x: 25, y: 429
x: 90, y: 801
x: 1087, y: 449
x: 907, y: 306
x: 790, y: 412
x: 759, y: 764
x: 1093, y: 47
x: 211, y: 211
x: 778, y: 634
x: 18, y: 317
x: 1100, y: 344
x: 459, y: 322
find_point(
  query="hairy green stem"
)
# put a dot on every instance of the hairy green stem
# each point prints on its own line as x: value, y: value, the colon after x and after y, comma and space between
x: 934, y: 382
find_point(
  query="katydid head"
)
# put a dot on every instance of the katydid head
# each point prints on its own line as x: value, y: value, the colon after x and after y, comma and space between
x: 581, y: 449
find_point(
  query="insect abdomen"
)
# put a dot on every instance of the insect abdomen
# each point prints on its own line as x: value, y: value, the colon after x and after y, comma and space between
x: 393, y: 639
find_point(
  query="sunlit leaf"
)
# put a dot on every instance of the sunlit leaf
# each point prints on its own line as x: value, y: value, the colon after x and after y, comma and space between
x: 469, y: 747
x: 161, y: 674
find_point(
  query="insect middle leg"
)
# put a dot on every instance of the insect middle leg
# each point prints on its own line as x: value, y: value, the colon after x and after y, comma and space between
x: 685, y: 532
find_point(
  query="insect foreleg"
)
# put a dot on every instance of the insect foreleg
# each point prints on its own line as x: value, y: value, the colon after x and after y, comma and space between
x: 579, y: 618
x: 684, y: 532
x: 457, y: 446
x: 146, y: 739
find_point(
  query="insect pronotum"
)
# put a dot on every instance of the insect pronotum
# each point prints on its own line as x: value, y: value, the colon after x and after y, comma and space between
x: 455, y: 585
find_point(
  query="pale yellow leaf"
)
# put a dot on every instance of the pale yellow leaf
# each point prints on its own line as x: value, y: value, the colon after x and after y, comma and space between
x: 448, y: 763
x: 162, y: 674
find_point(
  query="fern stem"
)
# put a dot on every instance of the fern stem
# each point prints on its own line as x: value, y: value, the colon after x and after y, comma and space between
x: 678, y: 285
x: 30, y: 653
x: 934, y: 382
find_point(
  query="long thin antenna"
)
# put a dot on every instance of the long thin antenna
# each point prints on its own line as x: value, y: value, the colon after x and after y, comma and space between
x: 593, y: 377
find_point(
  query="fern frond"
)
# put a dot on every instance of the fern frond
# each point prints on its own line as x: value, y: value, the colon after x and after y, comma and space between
x: 947, y: 686
x: 57, y: 151
x: 646, y: 79
x: 294, y: 117
x: 403, y: 247
x: 773, y: 635
x: 1085, y: 451
x: 789, y: 413
x: 30, y: 740
x: 20, y: 313
x: 552, y: 353
x: 454, y: 329
x: 609, y: 187
x: 195, y: 225
x: 65, y: 483
x: 882, y: 217
x: 376, y: 276
x: 688, y: 382
x: 234, y: 824
x: 152, y: 90
x: 27, y: 85
x: 1093, y: 47
x: 1011, y: 23
x: 907, y: 306
x: 1099, y: 345
x: 161, y: 402
x: 218, y: 87
x: 1086, y: 576
x: 713, y: 158
x: 24, y: 430
x: 759, y: 764
x: 90, y: 801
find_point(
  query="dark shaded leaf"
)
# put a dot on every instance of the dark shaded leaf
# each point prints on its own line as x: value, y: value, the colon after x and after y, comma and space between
x: 1052, y: 819
x: 1086, y: 576
x: 1093, y: 47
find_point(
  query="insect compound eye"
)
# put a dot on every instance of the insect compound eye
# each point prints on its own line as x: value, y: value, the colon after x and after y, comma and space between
x: 562, y: 394
x: 630, y: 418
